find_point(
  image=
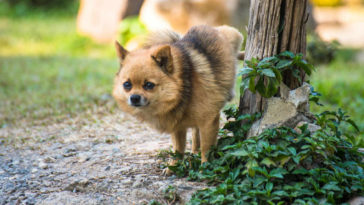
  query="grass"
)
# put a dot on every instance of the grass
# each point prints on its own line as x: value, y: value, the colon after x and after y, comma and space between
x: 340, y: 84
x: 47, y: 70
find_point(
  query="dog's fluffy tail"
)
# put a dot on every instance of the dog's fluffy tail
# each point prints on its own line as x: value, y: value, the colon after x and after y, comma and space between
x: 233, y: 36
x: 162, y: 37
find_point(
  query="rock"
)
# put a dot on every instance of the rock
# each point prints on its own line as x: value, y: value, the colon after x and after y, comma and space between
x: 49, y: 160
x: 83, y: 157
x: 310, y: 127
x: 43, y: 165
x: 300, y: 97
x: 138, y: 182
x: 116, y: 150
x: 357, y: 201
x: 77, y: 185
x: 287, y: 111
x: 71, y: 149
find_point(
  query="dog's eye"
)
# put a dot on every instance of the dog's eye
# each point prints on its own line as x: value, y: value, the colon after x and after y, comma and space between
x: 127, y: 85
x: 148, y: 86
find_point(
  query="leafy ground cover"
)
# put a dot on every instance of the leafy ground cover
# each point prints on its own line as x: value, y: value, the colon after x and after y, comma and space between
x: 280, y: 165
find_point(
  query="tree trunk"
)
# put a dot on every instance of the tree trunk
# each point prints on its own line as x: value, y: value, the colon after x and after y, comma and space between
x: 274, y: 26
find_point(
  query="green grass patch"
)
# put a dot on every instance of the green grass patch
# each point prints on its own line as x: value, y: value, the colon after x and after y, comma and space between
x: 48, y: 70
x: 340, y: 84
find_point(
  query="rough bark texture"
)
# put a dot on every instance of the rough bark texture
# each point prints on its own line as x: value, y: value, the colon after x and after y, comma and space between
x: 274, y: 26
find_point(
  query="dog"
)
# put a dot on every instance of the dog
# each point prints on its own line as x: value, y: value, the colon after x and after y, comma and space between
x: 178, y: 82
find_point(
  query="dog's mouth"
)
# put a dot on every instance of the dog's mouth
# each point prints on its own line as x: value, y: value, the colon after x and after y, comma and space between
x: 140, y: 103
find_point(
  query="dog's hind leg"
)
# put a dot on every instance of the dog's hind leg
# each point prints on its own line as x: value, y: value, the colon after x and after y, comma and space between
x: 209, y: 131
x: 195, y: 140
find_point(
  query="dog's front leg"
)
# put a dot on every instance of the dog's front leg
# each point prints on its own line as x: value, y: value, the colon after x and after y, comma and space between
x: 179, y: 141
x: 179, y: 145
x: 209, y: 132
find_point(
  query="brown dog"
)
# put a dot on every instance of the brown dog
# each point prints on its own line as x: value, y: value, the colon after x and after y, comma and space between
x: 175, y: 83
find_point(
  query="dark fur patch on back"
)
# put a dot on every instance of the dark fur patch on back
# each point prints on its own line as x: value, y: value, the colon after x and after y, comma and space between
x: 187, y: 72
x: 203, y: 39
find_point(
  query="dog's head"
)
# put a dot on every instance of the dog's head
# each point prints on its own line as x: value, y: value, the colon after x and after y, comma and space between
x: 146, y: 81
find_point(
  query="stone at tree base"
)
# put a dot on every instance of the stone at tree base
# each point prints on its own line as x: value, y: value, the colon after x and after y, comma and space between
x: 310, y: 127
x: 284, y: 112
x: 357, y: 201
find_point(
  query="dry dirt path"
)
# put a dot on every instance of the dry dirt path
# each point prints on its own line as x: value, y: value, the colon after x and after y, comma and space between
x: 98, y: 160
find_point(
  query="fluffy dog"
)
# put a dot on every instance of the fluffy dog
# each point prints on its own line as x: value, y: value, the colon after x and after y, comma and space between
x: 175, y: 83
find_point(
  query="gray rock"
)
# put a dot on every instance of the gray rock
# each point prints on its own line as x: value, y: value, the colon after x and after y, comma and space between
x: 43, y: 165
x: 357, y: 201
x: 49, y: 159
x: 83, y: 157
x: 310, y: 127
x: 286, y: 111
x: 77, y: 185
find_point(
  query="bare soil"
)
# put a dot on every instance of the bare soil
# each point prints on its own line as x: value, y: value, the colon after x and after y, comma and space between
x: 103, y: 159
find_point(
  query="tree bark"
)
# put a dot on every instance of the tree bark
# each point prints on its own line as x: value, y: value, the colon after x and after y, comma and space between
x: 274, y: 26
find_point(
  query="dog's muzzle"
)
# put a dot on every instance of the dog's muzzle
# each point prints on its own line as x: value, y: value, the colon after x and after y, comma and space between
x: 137, y: 100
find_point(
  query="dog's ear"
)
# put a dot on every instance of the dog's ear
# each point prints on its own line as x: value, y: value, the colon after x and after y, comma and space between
x: 120, y: 51
x: 163, y: 57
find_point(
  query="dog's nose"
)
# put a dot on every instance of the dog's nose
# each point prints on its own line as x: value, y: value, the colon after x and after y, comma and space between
x: 135, y: 99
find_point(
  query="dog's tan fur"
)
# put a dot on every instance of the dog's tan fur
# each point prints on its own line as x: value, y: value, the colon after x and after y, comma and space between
x: 194, y: 77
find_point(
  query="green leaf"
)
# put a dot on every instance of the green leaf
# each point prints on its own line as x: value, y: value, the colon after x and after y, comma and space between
x: 268, y: 72
x: 272, y: 88
x: 244, y: 84
x: 331, y: 186
x: 260, y: 87
x: 300, y: 171
x: 268, y: 162
x: 284, y: 63
x: 278, y: 74
x: 305, y: 67
x: 240, y: 153
x: 272, y: 59
x: 278, y: 173
x: 269, y: 186
x: 280, y: 193
x: 292, y: 150
x: 264, y: 64
x: 284, y: 160
x: 350, y: 121
x: 245, y: 71
x: 288, y: 54
x: 252, y: 84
